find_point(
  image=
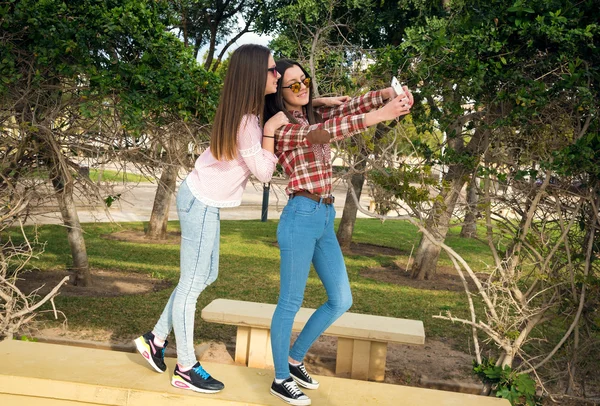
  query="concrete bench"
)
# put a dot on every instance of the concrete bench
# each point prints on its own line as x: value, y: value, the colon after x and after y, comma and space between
x: 58, y: 375
x: 362, y: 338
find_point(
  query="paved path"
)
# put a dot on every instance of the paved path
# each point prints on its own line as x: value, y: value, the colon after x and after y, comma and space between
x: 136, y: 203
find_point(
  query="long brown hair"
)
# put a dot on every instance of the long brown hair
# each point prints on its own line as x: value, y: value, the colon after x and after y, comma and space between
x: 243, y: 93
x: 274, y: 102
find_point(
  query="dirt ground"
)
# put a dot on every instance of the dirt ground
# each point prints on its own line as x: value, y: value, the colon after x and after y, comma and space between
x: 107, y: 283
x: 173, y: 237
x: 436, y: 364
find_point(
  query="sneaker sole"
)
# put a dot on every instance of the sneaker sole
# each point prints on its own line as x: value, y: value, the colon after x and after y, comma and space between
x: 305, y: 384
x: 294, y: 402
x: 144, y: 350
x: 181, y: 383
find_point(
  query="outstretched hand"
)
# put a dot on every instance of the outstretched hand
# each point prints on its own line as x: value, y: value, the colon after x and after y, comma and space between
x: 398, y: 106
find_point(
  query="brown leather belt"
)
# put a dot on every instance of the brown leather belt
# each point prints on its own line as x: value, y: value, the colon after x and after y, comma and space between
x: 312, y: 196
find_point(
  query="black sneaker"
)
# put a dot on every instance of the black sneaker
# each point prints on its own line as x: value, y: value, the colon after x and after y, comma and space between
x: 196, y: 379
x: 153, y: 354
x: 302, y: 377
x: 289, y: 392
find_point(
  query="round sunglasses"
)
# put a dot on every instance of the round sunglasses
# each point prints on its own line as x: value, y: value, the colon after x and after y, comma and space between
x: 295, y: 87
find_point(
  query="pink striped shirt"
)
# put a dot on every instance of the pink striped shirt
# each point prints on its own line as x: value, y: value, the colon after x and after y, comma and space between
x: 222, y: 183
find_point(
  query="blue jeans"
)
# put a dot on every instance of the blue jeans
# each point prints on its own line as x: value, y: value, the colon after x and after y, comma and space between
x: 199, y: 265
x: 305, y: 234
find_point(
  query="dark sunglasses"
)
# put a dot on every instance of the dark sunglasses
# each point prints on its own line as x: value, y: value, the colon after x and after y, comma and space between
x: 295, y: 87
x: 273, y: 71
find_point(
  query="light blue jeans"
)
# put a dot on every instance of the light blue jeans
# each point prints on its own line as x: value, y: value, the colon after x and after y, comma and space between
x: 305, y: 234
x: 199, y: 267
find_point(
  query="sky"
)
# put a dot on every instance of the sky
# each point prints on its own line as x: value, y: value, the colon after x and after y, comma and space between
x: 247, y: 38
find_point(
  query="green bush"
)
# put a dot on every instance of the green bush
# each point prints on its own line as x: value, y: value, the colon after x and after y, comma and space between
x: 519, y: 389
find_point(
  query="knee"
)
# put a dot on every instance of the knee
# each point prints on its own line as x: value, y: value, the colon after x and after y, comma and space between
x: 346, y: 303
x: 289, y: 304
x: 342, y: 304
x: 211, y: 279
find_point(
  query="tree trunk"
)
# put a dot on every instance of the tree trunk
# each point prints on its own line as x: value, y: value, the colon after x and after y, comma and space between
x: 211, y: 48
x: 469, y: 228
x: 64, y: 193
x: 428, y: 253
x: 157, y: 227
x: 346, y: 227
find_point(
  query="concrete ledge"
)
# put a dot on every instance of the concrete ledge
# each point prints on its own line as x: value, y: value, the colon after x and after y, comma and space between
x: 49, y: 374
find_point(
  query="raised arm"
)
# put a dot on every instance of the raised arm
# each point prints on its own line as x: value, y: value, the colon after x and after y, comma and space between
x: 357, y: 105
x: 292, y: 136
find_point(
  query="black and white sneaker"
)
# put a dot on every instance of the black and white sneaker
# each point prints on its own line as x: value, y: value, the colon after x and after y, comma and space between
x: 289, y: 392
x: 196, y: 379
x: 302, y: 377
x: 152, y: 353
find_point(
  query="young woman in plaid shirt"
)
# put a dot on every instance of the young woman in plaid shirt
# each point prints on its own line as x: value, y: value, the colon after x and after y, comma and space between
x: 240, y: 146
x: 305, y: 233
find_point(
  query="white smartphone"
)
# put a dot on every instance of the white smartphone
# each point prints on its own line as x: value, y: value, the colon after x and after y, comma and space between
x: 397, y: 87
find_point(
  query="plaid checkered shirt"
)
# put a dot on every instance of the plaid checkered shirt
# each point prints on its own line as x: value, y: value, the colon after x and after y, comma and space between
x: 309, y: 166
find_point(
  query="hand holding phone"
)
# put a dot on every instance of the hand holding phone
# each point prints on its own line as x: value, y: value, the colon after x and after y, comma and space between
x: 397, y: 87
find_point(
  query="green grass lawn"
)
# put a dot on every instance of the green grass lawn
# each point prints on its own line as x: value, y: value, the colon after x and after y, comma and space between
x: 249, y: 270
x: 118, y: 177
x: 108, y: 175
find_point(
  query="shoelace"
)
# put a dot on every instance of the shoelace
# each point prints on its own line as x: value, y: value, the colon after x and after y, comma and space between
x: 200, y: 371
x: 304, y: 372
x: 293, y: 389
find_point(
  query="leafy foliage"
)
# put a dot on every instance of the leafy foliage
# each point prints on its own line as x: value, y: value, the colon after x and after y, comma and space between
x: 519, y: 389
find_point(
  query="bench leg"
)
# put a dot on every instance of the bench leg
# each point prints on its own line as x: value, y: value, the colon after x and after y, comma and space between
x: 253, y: 347
x: 377, y: 361
x: 360, y: 359
x: 361, y: 355
x: 257, y: 353
x: 242, y: 344
x: 343, y: 361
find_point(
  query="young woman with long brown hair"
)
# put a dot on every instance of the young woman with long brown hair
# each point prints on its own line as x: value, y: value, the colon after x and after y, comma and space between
x: 305, y: 232
x: 240, y: 146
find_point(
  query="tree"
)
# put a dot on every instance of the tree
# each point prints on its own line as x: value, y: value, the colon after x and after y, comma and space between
x: 539, y: 125
x: 90, y: 76
x: 356, y: 182
x: 474, y: 65
x: 211, y: 23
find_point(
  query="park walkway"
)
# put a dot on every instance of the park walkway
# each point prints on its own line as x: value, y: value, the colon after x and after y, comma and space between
x: 135, y: 204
